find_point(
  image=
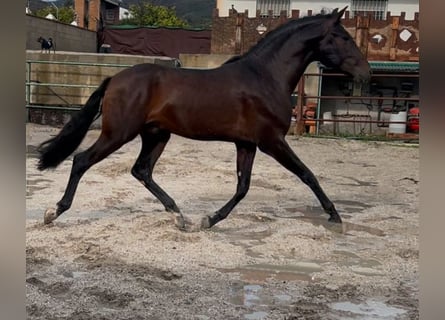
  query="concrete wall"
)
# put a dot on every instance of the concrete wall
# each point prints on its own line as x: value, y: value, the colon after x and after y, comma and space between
x: 76, y: 74
x: 203, y: 61
x: 56, y: 97
x: 66, y: 37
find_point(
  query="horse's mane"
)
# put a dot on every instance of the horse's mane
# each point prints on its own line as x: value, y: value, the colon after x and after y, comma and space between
x: 285, y: 29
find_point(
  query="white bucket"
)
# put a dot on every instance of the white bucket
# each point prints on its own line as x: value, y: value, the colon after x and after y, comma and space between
x: 327, y: 116
x: 398, y: 127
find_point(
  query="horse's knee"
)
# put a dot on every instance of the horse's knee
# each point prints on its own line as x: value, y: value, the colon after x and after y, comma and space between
x: 135, y: 172
x: 140, y: 174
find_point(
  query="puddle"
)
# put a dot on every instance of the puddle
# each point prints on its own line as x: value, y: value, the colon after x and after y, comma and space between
x: 79, y: 274
x: 366, y: 310
x: 354, y: 259
x: 257, y: 315
x: 246, y: 240
x: 260, y: 273
x: 318, y: 217
x: 253, y: 297
x: 240, y: 234
x: 249, y: 292
x: 358, y: 265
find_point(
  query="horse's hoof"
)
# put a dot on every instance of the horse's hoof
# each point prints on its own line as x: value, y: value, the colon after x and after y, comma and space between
x: 335, y: 218
x: 205, y: 222
x: 185, y: 224
x: 179, y: 221
x: 50, y: 216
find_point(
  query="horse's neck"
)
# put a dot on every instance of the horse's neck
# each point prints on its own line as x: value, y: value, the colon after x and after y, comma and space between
x: 287, y: 60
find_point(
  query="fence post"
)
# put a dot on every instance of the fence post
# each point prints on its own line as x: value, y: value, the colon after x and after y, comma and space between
x: 28, y: 88
x: 299, y: 127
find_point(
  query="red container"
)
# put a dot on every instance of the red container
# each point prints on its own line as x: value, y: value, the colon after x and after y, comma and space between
x: 413, y: 117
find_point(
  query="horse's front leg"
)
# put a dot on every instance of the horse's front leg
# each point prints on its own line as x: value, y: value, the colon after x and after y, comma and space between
x: 280, y: 151
x: 245, y: 156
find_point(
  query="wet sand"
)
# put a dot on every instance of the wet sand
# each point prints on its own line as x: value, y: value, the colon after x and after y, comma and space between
x: 116, y: 254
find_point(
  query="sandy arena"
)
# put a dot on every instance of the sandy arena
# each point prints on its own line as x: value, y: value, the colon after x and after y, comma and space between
x: 116, y: 254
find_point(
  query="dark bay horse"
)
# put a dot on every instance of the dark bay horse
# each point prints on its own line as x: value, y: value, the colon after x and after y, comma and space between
x: 245, y: 101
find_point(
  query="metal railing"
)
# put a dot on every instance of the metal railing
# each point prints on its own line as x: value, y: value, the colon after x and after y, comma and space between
x: 366, y: 119
x: 66, y: 106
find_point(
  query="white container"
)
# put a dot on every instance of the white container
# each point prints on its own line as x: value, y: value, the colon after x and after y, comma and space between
x: 398, y: 127
x: 327, y: 116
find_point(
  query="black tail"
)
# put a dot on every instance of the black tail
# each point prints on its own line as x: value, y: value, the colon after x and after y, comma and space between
x: 55, y: 150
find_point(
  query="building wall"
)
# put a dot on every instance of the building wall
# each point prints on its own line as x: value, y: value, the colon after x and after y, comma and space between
x: 94, y: 15
x: 394, y: 39
x: 396, y: 7
x: 95, y: 7
x: 65, y: 36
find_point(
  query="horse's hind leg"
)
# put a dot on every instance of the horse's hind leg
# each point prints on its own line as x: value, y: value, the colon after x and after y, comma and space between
x: 244, y: 162
x: 82, y: 161
x: 280, y: 151
x: 153, y: 144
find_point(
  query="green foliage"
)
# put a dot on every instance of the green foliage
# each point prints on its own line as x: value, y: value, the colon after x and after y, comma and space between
x: 197, y: 13
x: 66, y: 14
x: 145, y: 13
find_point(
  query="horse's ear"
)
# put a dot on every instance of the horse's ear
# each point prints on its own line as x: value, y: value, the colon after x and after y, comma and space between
x: 340, y: 13
x: 334, y: 19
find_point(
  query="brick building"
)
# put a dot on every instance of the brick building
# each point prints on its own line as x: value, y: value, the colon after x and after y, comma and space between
x: 393, y: 38
x: 390, y: 43
x: 94, y: 14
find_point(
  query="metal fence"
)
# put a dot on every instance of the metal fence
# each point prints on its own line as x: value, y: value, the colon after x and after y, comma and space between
x: 317, y: 119
x: 65, y: 105
x: 301, y: 121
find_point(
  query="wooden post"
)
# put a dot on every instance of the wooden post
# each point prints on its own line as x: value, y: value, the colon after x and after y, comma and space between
x: 299, y: 127
x: 362, y: 33
x: 238, y: 33
x: 394, y: 35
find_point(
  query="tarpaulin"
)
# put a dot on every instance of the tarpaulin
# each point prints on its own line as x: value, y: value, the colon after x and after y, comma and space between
x: 168, y: 42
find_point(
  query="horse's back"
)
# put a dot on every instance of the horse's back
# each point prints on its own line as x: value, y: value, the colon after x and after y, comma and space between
x: 224, y: 103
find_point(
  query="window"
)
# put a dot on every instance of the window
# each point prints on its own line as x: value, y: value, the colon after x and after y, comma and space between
x: 109, y: 15
x: 275, y: 5
x: 375, y: 8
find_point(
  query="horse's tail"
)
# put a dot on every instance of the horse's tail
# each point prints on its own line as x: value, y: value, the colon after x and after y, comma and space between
x: 55, y: 150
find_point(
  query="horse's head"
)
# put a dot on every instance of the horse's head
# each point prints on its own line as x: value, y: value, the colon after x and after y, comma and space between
x: 40, y: 39
x: 339, y: 51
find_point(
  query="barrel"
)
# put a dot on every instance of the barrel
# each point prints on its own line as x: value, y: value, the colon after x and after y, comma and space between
x: 413, y: 122
x: 399, y: 117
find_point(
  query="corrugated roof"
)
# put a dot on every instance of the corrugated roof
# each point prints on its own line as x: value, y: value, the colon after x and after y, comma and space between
x: 389, y: 66
x: 396, y: 66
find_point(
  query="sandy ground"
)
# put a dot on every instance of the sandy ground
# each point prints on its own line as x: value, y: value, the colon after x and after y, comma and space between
x: 116, y: 254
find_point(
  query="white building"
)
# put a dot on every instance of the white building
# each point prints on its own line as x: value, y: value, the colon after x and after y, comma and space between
x: 124, y: 13
x: 378, y: 8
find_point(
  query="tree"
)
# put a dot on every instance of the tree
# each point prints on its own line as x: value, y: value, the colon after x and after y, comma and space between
x: 66, y: 14
x: 145, y: 13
